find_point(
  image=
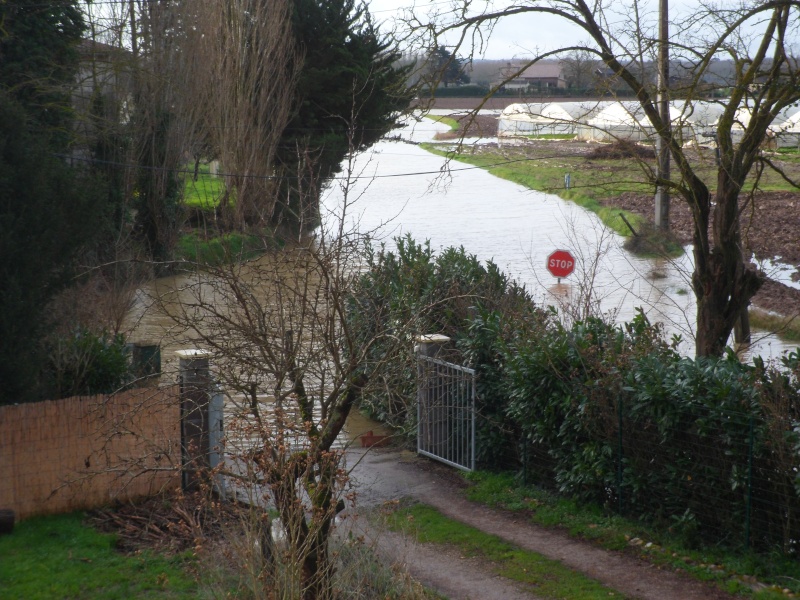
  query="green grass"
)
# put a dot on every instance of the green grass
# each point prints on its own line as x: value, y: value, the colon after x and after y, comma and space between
x: 60, y: 557
x: 231, y: 247
x: 206, y: 192
x: 451, y: 123
x: 547, y: 175
x: 790, y: 150
x: 788, y: 328
x: 724, y: 568
x: 546, y: 578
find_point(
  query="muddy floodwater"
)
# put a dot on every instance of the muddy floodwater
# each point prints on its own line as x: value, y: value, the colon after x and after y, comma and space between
x: 399, y: 188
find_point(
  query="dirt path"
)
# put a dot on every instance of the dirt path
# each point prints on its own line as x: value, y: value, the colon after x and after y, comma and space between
x: 384, y: 475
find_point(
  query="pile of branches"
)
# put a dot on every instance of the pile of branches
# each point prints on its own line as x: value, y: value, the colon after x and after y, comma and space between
x: 167, y: 523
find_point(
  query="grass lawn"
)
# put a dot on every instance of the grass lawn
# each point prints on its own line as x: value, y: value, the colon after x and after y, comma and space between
x: 206, y: 192
x: 60, y: 557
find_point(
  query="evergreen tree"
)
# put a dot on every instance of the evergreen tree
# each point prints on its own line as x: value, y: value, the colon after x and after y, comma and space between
x: 39, y: 58
x: 447, y: 68
x: 49, y: 210
x: 349, y: 94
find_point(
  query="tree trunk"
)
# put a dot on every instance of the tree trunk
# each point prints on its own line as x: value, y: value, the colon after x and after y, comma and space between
x: 318, y: 570
x: 723, y: 282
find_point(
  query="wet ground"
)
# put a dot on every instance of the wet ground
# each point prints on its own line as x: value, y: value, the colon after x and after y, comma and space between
x: 770, y: 220
x: 386, y: 475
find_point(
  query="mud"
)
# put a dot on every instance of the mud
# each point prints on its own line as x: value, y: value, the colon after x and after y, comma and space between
x: 381, y: 476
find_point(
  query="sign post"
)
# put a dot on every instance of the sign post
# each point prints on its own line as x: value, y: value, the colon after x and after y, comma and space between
x: 560, y: 263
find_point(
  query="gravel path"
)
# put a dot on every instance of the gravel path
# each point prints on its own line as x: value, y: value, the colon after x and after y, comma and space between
x: 385, y: 475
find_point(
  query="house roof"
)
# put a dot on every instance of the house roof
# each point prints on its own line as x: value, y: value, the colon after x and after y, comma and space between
x: 542, y: 70
x: 94, y: 50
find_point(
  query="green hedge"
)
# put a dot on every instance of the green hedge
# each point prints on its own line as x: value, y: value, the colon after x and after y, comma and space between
x: 608, y: 414
x: 612, y: 415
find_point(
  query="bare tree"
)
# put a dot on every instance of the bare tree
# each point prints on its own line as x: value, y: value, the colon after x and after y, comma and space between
x: 281, y: 333
x: 241, y: 69
x: 580, y: 69
x: 758, y: 38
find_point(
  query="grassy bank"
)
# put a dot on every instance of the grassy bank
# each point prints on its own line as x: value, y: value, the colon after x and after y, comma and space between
x: 787, y: 328
x: 60, y: 557
x: 219, y: 250
x: 547, y: 174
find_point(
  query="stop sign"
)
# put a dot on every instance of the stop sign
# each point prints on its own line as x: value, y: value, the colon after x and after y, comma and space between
x: 560, y: 263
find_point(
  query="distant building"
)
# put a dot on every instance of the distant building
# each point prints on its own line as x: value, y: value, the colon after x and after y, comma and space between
x: 539, y: 76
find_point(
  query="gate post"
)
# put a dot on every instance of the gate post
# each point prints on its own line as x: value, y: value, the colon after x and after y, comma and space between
x: 431, y: 426
x: 195, y: 394
x: 430, y: 344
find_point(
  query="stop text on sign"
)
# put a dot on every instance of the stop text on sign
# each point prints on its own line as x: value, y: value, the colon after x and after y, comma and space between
x: 560, y: 263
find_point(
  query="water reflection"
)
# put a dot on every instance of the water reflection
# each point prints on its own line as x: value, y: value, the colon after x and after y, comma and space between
x: 402, y: 189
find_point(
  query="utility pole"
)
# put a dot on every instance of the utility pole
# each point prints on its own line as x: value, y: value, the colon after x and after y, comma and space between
x: 662, y: 191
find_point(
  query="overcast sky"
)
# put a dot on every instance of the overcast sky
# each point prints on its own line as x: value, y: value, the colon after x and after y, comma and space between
x: 520, y: 35
x: 526, y: 35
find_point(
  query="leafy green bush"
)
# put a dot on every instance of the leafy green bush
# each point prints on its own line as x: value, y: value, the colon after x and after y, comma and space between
x: 88, y: 363
x: 602, y: 413
x: 411, y: 291
x: 703, y: 446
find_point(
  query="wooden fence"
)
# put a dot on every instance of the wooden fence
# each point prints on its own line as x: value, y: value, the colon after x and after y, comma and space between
x: 83, y: 452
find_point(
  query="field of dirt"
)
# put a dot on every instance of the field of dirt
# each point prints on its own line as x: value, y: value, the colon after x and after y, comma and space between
x: 770, y: 223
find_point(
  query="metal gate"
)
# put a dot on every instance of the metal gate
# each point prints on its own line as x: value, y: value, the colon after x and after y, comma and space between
x: 446, y: 412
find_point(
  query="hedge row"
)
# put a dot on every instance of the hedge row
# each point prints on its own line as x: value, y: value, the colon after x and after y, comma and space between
x: 605, y: 413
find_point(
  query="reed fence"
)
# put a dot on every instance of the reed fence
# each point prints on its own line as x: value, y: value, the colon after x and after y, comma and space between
x: 83, y: 452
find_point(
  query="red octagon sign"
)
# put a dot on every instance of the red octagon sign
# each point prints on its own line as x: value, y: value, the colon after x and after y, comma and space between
x: 560, y: 263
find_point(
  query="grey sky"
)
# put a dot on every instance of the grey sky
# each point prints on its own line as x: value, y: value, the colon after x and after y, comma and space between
x: 525, y: 35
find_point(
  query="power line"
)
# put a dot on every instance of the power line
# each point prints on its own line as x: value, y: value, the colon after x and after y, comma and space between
x: 282, y: 177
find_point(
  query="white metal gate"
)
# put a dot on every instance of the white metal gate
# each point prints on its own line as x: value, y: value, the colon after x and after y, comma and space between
x: 446, y: 412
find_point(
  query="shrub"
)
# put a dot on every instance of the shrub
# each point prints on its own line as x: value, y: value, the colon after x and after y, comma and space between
x: 410, y: 291
x: 603, y: 413
x: 89, y: 363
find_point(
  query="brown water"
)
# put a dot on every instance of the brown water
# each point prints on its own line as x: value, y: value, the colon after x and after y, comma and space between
x: 400, y: 190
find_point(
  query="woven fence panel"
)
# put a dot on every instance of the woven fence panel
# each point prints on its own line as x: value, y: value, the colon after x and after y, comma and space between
x: 84, y: 452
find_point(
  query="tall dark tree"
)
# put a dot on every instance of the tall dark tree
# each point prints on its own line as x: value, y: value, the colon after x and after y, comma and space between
x: 447, y: 68
x: 49, y: 210
x: 39, y: 59
x: 349, y: 94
